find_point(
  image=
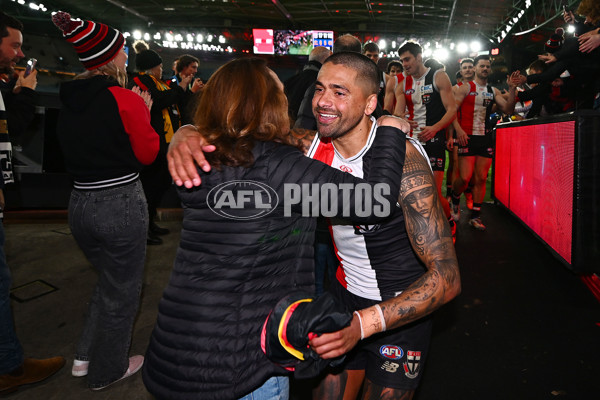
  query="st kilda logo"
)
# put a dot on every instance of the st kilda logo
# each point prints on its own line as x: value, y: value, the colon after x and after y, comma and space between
x: 242, y: 199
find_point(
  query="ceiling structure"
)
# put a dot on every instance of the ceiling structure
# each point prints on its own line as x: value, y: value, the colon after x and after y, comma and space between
x: 437, y: 19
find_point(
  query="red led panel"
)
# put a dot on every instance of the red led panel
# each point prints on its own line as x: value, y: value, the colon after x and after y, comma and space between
x: 263, y: 41
x: 534, y: 179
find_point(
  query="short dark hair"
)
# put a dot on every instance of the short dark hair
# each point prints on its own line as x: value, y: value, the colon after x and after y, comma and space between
x: 466, y: 60
x: 413, y: 48
x: 366, y: 68
x: 396, y: 63
x: 6, y: 21
x: 370, y: 46
x: 538, y: 65
x: 185, y: 60
x: 481, y: 57
x: 347, y: 42
x: 433, y: 64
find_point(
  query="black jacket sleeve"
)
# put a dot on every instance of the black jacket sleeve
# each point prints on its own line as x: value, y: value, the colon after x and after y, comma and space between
x: 306, y: 119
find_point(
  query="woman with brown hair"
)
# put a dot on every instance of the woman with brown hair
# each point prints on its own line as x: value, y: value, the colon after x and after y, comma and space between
x: 246, y: 241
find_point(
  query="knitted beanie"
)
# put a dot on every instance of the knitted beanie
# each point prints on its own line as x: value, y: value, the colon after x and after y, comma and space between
x: 96, y: 44
x: 145, y: 58
x: 555, y: 42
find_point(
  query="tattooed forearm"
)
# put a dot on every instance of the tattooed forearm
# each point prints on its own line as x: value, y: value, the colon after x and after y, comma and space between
x: 429, y: 234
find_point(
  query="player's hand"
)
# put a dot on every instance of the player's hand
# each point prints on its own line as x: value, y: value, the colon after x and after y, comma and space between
x: 427, y: 133
x: 461, y: 137
x: 514, y: 79
x: 335, y: 344
x: 186, y: 150
x: 197, y: 85
x: 396, y: 122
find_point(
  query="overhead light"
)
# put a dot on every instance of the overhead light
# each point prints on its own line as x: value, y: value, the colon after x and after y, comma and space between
x: 137, y: 35
x: 441, y: 54
x: 475, y: 46
x: 570, y: 28
x: 146, y: 36
x: 462, y: 47
x: 157, y: 36
x: 189, y: 37
x: 169, y: 8
x: 200, y: 38
x: 382, y: 44
x: 427, y: 52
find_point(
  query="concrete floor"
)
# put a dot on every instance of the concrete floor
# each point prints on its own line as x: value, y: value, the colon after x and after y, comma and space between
x: 50, y: 325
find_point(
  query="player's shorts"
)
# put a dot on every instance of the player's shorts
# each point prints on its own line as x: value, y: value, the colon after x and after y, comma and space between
x: 436, y: 151
x: 482, y: 146
x: 394, y: 358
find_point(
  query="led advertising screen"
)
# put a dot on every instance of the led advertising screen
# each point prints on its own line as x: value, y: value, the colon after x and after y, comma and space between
x: 290, y: 42
x: 534, y: 179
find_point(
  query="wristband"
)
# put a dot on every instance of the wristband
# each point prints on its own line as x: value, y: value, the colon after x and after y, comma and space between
x: 362, y: 332
x: 383, y: 327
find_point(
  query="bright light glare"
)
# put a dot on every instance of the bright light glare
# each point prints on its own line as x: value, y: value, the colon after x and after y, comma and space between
x: 570, y: 28
x: 382, y: 44
x: 137, y: 35
x: 462, y: 47
x: 441, y: 54
x: 475, y: 46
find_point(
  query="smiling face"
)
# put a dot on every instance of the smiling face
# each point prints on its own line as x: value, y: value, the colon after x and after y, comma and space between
x: 340, y: 102
x: 10, y: 50
x: 410, y: 63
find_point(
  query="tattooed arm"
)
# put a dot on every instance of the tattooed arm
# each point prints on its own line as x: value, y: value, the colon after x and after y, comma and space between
x: 430, y: 236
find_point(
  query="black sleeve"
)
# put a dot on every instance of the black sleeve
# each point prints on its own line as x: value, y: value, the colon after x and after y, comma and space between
x: 306, y: 119
x: 162, y: 98
x: 381, y: 188
x: 20, y: 110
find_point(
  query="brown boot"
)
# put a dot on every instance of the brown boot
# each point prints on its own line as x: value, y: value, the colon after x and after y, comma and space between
x: 31, y: 371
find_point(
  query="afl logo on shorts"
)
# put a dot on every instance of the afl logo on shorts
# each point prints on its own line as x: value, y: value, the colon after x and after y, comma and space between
x: 346, y: 168
x: 242, y: 200
x: 391, y: 351
x: 409, y: 92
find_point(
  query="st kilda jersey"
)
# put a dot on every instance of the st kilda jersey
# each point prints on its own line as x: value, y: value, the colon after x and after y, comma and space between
x: 474, y: 112
x: 377, y: 262
x: 423, y: 101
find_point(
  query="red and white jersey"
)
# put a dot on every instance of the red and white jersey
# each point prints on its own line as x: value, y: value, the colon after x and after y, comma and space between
x: 376, y: 261
x: 475, y: 108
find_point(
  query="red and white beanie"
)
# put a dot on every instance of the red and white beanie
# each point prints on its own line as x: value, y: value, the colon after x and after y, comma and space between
x: 95, y: 43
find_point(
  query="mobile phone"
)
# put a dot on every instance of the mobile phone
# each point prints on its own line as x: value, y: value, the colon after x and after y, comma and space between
x: 30, y: 66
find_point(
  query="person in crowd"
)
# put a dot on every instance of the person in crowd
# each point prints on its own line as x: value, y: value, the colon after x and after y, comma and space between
x: 187, y: 65
x: 305, y: 118
x: 229, y: 273
x: 579, y: 55
x: 371, y: 50
x: 381, y: 275
x: 105, y: 134
x: 296, y: 86
x: 165, y: 119
x: 389, y: 103
x: 426, y: 93
x: 473, y: 134
x: 434, y: 64
x: 15, y: 369
x: 464, y: 74
x: 394, y: 68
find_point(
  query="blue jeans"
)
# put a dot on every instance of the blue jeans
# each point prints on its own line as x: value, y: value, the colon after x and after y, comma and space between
x: 276, y: 388
x: 11, y: 353
x: 110, y: 226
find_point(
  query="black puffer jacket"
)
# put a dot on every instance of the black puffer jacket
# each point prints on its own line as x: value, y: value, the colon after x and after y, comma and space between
x: 229, y: 273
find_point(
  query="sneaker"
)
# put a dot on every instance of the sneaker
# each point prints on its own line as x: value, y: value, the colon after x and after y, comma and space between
x: 135, y: 364
x: 455, y: 212
x: 469, y: 198
x: 477, y: 224
x: 80, y: 368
